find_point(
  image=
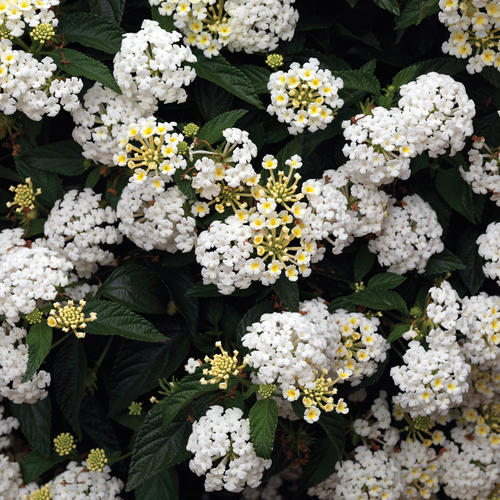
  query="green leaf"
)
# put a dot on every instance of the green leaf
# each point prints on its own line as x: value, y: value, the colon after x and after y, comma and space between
x: 219, y: 71
x: 115, y: 319
x: 75, y: 63
x: 137, y: 368
x: 166, y: 22
x: 63, y: 157
x: 263, y: 418
x: 443, y: 263
x: 211, y: 100
x: 35, y: 228
x: 377, y: 298
x: 164, y: 485
x: 39, y: 340
x: 110, y: 9
x: 288, y: 293
x: 90, y: 30
x: 251, y: 316
x: 35, y: 420
x: 397, y: 332
x: 183, y: 393
x: 68, y: 380
x: 136, y: 287
x: 212, y: 130
x: 34, y: 464
x: 294, y: 147
x: 363, y: 262
x: 386, y: 281
x: 335, y: 427
x: 472, y: 274
x: 415, y: 11
x: 258, y: 75
x: 156, y: 448
x: 93, y: 177
x: 391, y: 5
x: 456, y: 193
x: 359, y: 80
x: 185, y: 185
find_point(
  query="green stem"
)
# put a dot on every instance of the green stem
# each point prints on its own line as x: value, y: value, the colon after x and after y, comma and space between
x: 22, y: 44
x: 103, y: 354
x: 123, y: 457
x: 61, y: 340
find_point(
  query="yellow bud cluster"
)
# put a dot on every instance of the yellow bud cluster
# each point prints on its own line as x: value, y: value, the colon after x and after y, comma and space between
x: 42, y: 493
x: 70, y: 317
x: 135, y: 408
x: 222, y: 366
x: 64, y: 444
x: 96, y: 459
x: 43, y: 33
x: 24, y: 197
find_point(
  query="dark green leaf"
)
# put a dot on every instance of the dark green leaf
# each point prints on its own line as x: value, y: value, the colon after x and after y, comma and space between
x: 443, y: 263
x: 211, y: 99
x: 34, y: 464
x: 35, y: 228
x: 363, y: 262
x: 335, y: 427
x: 258, y: 76
x: 472, y: 273
x: 294, y: 147
x: 164, y: 485
x: 219, y: 71
x: 156, y: 448
x: 166, y: 22
x: 415, y: 11
x: 68, y: 381
x: 251, y: 316
x: 397, y: 332
x: 115, y: 319
x: 39, y: 340
x: 456, y: 192
x: 377, y: 298
x: 136, y: 287
x: 91, y: 30
x: 263, y: 418
x: 75, y: 63
x: 137, y: 368
x: 35, y: 420
x: 385, y: 281
x: 93, y: 178
x: 391, y: 5
x: 288, y: 293
x: 96, y: 425
x: 359, y: 80
x: 212, y: 130
x: 110, y: 9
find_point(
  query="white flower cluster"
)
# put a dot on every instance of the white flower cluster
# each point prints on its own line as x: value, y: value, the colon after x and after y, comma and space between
x: 102, y: 119
x: 473, y: 27
x: 434, y: 115
x: 480, y: 324
x: 444, y: 306
x: 77, y: 226
x: 489, y: 250
x: 15, y: 15
x: 7, y: 424
x: 483, y: 173
x: 345, y: 210
x: 305, y: 96
x: 79, y: 483
x: 370, y: 474
x: 223, y: 436
x: 469, y: 468
x: 152, y: 64
x: 29, y: 85
x: 154, y: 217
x: 410, y: 235
x: 250, y: 25
x: 13, y: 363
x: 28, y: 274
x: 11, y: 480
x: 433, y: 380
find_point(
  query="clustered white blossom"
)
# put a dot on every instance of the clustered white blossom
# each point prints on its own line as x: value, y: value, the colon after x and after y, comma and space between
x: 345, y: 210
x: 154, y: 217
x: 434, y: 115
x: 250, y: 26
x: 28, y: 274
x: 371, y: 474
x: 410, y: 235
x: 489, y: 249
x: 16, y: 15
x: 305, y: 96
x: 473, y: 27
x: 153, y: 64
x: 77, y: 227
x: 223, y: 436
x: 29, y: 85
x: 483, y: 170
x: 102, y: 119
x: 13, y: 363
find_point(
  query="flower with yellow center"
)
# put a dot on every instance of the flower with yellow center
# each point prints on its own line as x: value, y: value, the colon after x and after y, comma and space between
x: 24, y: 197
x: 64, y: 444
x: 222, y: 366
x: 70, y: 317
x: 96, y: 459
